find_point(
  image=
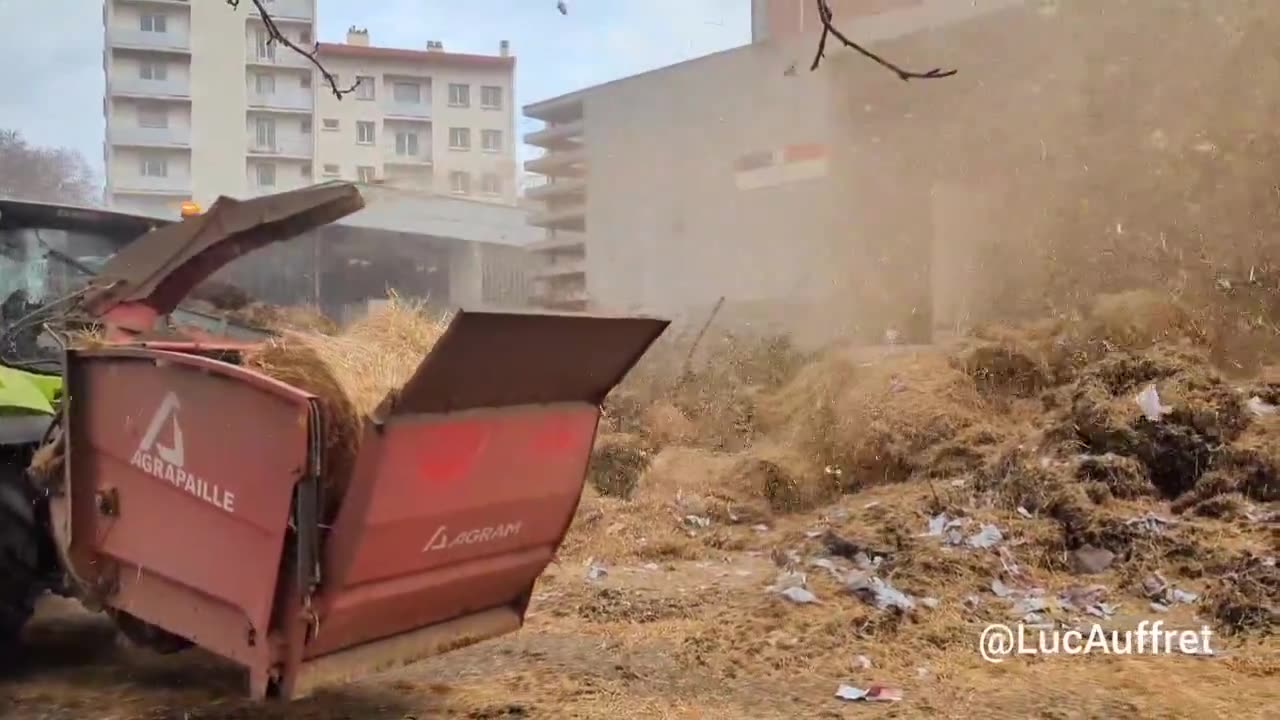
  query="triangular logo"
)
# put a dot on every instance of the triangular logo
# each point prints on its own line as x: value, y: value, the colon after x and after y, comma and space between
x: 438, y: 541
x: 168, y: 410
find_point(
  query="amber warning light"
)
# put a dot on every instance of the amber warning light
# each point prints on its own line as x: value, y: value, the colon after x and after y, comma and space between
x: 190, y: 209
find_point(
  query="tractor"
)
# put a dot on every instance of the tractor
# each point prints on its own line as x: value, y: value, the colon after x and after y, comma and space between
x: 155, y: 478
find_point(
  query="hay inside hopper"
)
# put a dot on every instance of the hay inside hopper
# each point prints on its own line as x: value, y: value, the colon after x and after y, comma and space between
x: 351, y: 373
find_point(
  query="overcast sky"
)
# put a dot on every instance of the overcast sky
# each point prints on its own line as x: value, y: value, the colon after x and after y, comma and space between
x: 51, y: 50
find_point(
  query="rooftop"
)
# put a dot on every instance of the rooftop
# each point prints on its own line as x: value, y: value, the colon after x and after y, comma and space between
x: 409, y: 211
x: 870, y: 30
x: 438, y: 57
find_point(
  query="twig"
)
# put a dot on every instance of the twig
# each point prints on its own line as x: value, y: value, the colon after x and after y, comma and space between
x: 275, y: 36
x: 828, y: 28
x: 694, y: 346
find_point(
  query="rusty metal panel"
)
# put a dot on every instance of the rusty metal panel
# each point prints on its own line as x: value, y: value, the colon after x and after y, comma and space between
x: 164, y: 523
x: 503, y: 359
x: 449, y: 514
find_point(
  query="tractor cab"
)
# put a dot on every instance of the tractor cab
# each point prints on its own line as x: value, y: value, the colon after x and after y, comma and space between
x: 48, y: 256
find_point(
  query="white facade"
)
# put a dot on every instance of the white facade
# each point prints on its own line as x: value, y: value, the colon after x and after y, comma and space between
x: 419, y: 119
x: 198, y: 104
x: 182, y: 77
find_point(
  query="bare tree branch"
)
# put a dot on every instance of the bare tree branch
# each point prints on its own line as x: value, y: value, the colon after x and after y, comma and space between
x: 829, y: 28
x: 275, y: 36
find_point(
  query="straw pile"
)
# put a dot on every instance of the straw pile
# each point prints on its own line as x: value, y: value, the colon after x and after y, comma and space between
x: 875, y: 421
x: 352, y: 373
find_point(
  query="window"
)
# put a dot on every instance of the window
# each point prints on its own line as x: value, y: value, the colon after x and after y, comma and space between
x: 305, y: 80
x: 264, y: 83
x: 491, y: 97
x: 407, y: 144
x: 365, y: 87
x: 330, y: 169
x: 266, y: 135
x: 407, y: 92
x: 266, y: 48
x: 364, y: 173
x: 266, y: 173
x: 459, y: 95
x: 153, y: 166
x: 491, y: 140
x: 365, y: 132
x: 304, y: 36
x: 491, y: 184
x: 329, y: 123
x: 306, y: 171
x: 152, y: 117
x: 460, y: 182
x: 153, y: 23
x: 306, y: 126
x: 153, y: 71
x: 460, y: 138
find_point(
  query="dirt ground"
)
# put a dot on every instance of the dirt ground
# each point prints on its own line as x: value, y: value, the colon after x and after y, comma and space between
x: 683, y: 625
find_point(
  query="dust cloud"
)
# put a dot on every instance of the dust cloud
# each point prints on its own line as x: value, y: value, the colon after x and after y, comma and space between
x: 1084, y: 148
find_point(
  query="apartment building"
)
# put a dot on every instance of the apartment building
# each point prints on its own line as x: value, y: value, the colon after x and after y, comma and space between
x: 199, y: 104
x: 765, y: 184
x: 181, y: 77
x: 425, y: 120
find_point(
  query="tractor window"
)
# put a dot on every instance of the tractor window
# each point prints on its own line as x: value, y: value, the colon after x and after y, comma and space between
x: 23, y: 266
x: 49, y: 263
x: 39, y: 267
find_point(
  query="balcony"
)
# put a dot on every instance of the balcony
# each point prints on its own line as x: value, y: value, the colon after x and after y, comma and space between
x: 278, y: 56
x: 569, y: 217
x: 390, y: 157
x: 172, y: 89
x: 291, y: 101
x: 291, y: 147
x: 562, y: 268
x: 556, y: 135
x: 135, y: 39
x: 163, y: 137
x: 172, y: 185
x: 560, y: 188
x: 559, y: 241
x: 575, y: 299
x: 400, y: 110
x: 290, y: 9
x: 571, y: 163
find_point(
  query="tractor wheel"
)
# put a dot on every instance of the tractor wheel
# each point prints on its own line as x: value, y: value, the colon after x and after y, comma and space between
x: 19, y: 563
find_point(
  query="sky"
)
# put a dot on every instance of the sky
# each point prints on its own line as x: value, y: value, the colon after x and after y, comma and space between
x: 52, y: 49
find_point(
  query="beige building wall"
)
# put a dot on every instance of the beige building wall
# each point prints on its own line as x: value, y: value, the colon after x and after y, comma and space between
x: 181, y: 82
x: 775, y: 188
x: 366, y: 135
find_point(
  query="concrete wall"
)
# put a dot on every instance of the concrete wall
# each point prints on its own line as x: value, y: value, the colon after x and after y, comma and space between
x: 505, y: 276
x: 876, y: 239
x: 670, y: 227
